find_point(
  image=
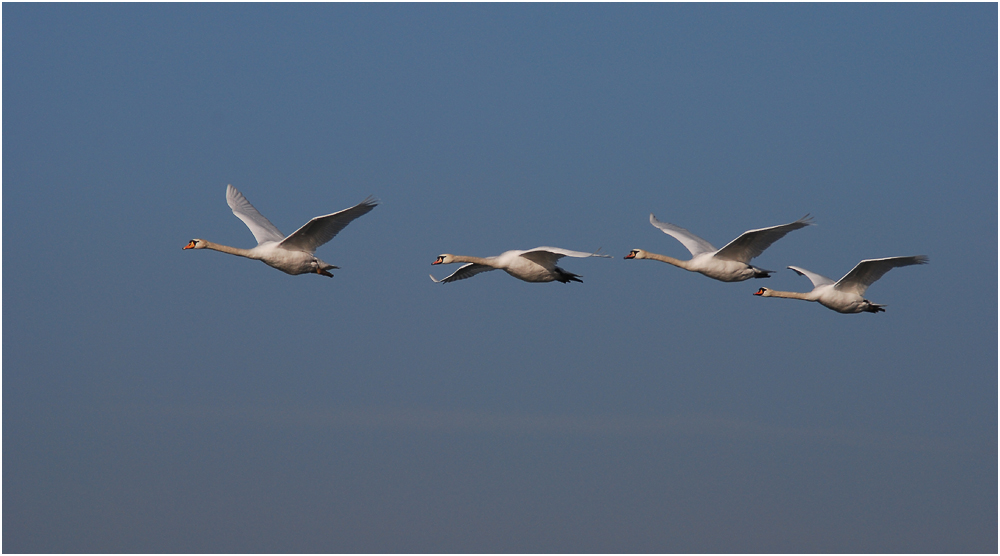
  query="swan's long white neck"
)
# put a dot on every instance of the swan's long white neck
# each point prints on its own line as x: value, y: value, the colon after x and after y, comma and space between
x: 669, y: 260
x: 248, y: 253
x: 807, y: 296
x: 478, y: 260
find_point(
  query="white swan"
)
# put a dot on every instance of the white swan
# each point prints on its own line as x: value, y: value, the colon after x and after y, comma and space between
x: 846, y: 295
x: 292, y: 254
x: 533, y: 265
x: 729, y: 264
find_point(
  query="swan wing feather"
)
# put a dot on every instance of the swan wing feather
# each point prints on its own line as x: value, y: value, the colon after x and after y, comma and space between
x: 322, y: 229
x: 260, y: 227
x: 544, y: 255
x: 467, y: 270
x: 752, y: 243
x: 868, y: 271
x: 816, y: 279
x: 693, y: 243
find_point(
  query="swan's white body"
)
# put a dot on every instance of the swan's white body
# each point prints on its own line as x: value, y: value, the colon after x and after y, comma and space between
x: 729, y: 264
x: 533, y: 265
x: 847, y: 294
x: 292, y: 254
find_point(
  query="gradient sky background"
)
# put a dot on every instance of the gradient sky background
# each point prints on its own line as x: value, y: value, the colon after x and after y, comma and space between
x: 163, y: 400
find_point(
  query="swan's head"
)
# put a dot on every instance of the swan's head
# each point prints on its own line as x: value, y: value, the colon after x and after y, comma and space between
x: 763, y: 292
x: 196, y: 244
x: 636, y: 254
x: 444, y: 259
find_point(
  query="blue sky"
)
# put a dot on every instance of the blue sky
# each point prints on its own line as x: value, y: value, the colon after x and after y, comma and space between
x: 165, y: 400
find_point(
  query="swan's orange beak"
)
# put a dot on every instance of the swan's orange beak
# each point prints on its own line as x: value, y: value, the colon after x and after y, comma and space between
x: 437, y: 260
x: 190, y: 245
x: 760, y: 292
x: 631, y: 255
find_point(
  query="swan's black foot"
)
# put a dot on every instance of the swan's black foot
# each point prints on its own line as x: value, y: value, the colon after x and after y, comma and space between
x: 567, y: 277
x: 323, y: 272
x: 873, y: 307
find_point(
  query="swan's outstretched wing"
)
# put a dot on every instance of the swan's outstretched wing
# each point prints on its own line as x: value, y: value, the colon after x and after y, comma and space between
x: 321, y: 229
x: 261, y: 228
x: 869, y: 270
x: 465, y: 271
x: 694, y: 244
x: 753, y: 242
x: 817, y: 279
x: 544, y: 255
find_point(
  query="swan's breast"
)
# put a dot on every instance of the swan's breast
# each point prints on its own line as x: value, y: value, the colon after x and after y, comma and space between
x: 286, y: 260
x: 842, y: 302
x: 527, y: 270
x: 720, y: 269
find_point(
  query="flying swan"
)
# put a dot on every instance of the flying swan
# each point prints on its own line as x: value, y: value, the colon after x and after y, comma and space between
x: 292, y: 254
x: 846, y: 294
x: 729, y: 264
x: 533, y: 265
